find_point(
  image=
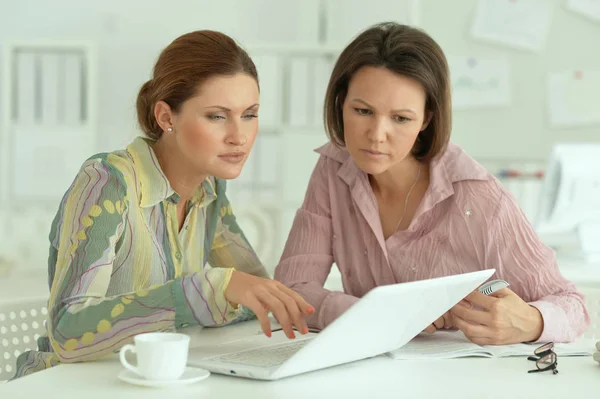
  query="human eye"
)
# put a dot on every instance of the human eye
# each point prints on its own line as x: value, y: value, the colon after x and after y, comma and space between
x: 401, y: 119
x: 215, y: 117
x: 363, y: 111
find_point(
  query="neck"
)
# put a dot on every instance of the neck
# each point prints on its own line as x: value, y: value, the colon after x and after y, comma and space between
x: 396, y: 181
x: 182, y: 176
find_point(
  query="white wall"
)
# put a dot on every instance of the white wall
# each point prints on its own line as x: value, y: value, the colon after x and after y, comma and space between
x: 128, y: 36
x: 521, y: 130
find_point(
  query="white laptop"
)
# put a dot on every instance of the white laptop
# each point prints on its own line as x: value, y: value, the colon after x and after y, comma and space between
x: 385, y: 319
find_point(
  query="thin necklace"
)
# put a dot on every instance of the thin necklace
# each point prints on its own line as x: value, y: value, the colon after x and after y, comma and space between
x: 408, y: 196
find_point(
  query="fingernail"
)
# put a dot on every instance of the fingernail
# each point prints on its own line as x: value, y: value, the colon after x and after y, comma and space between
x: 310, y: 310
x: 269, y: 334
x: 292, y: 335
x: 305, y: 330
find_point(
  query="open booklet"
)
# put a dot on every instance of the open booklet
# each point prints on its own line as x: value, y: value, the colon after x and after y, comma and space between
x: 453, y: 344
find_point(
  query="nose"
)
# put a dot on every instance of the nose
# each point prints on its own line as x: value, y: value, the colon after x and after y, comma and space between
x: 377, y: 130
x: 235, y: 135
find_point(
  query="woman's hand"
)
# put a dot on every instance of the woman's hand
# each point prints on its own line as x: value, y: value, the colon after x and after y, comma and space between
x: 262, y: 295
x: 498, y: 319
x: 443, y: 323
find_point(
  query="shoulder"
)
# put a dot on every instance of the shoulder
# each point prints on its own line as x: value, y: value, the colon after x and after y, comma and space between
x: 98, y: 189
x: 333, y: 152
x: 486, y: 195
x: 107, y: 173
x: 471, y: 181
x: 331, y: 158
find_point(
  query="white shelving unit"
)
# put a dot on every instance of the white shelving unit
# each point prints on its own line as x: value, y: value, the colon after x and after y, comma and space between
x: 50, y: 101
x: 49, y: 117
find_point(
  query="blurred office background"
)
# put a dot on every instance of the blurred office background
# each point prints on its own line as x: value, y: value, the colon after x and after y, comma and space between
x: 525, y: 73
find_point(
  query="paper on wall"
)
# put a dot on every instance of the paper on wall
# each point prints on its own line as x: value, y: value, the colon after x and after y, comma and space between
x: 587, y: 8
x: 347, y: 18
x: 573, y: 98
x: 479, y: 82
x: 522, y: 24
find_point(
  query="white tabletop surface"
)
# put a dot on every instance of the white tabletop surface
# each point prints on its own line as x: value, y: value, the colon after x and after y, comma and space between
x: 380, y: 377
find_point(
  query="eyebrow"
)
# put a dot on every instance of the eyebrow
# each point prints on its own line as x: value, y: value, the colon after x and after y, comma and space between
x: 222, y: 108
x: 393, y: 111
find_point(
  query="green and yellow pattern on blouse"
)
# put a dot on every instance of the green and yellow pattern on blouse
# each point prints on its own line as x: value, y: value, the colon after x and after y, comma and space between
x: 119, y: 265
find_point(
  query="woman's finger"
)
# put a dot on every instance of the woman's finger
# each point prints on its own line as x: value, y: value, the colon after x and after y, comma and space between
x: 481, y: 300
x: 472, y: 331
x: 279, y: 310
x: 430, y: 329
x: 304, y: 306
x: 448, y: 320
x: 471, y: 315
x: 439, y: 323
x: 293, y: 311
x: 261, y: 314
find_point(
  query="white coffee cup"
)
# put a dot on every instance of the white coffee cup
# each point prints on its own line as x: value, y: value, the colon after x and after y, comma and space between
x: 160, y: 356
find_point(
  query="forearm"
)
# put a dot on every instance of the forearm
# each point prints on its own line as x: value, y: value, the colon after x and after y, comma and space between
x: 307, y: 280
x: 564, y: 317
x: 89, y: 328
x: 329, y: 305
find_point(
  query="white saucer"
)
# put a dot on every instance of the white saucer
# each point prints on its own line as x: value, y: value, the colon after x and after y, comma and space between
x: 190, y: 375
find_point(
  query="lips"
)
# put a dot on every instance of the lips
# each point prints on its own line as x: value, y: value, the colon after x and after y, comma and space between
x: 233, y: 154
x: 233, y: 157
x: 374, y: 153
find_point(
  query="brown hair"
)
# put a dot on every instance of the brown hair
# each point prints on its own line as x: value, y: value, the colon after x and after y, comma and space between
x: 182, y: 67
x: 406, y: 51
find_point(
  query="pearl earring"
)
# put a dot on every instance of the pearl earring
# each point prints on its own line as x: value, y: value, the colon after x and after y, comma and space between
x: 169, y: 129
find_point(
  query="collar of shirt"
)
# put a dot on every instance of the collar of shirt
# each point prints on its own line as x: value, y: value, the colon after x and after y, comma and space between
x: 154, y: 185
x: 451, y: 166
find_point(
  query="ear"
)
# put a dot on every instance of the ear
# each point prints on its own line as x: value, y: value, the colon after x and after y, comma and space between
x: 426, y: 120
x: 164, y: 115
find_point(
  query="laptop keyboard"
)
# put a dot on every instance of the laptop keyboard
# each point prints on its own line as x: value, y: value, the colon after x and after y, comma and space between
x: 267, y: 356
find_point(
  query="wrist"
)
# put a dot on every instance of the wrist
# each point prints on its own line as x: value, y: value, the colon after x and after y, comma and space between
x: 227, y: 291
x: 536, y: 325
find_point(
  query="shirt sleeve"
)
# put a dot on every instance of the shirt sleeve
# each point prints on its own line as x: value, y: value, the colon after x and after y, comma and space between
x: 308, y: 254
x: 230, y: 248
x: 531, y: 269
x: 84, y: 323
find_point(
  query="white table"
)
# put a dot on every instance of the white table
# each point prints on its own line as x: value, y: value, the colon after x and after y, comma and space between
x: 380, y: 377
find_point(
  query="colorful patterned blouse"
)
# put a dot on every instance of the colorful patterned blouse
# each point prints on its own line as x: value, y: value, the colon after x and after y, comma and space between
x: 119, y: 265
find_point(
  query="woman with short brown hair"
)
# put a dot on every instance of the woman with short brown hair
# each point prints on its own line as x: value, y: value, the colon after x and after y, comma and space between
x: 391, y: 201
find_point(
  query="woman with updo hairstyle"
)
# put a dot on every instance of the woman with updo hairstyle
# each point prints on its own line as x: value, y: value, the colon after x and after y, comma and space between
x: 145, y: 239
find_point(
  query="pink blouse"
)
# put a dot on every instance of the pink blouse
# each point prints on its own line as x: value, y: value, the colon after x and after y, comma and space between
x: 466, y: 222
